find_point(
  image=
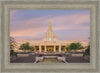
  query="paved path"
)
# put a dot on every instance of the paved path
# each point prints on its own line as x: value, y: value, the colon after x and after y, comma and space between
x: 28, y: 59
x: 31, y: 59
x: 76, y: 60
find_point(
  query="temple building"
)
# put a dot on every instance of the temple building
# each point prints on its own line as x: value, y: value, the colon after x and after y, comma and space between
x: 50, y: 43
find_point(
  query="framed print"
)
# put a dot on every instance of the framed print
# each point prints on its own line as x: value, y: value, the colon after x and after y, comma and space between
x: 47, y: 36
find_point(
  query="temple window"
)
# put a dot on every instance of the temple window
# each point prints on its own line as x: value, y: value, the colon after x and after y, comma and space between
x: 37, y: 48
x: 42, y: 48
x: 62, y: 48
x: 49, y: 33
x: 56, y: 48
x: 49, y: 39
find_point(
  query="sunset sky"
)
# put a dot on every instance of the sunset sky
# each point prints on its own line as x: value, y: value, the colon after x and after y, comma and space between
x: 67, y: 24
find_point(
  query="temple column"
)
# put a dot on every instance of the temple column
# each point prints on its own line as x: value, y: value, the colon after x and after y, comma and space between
x: 39, y: 48
x: 45, y: 48
x: 34, y: 48
x: 59, y: 48
x: 54, y: 48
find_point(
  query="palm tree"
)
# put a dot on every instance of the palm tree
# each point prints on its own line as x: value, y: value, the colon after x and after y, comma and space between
x: 12, y: 43
x: 12, y: 46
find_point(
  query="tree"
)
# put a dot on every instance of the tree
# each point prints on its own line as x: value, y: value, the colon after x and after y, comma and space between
x: 26, y: 46
x: 12, y: 46
x: 74, y: 46
x: 12, y: 43
x: 87, y: 51
x: 68, y: 48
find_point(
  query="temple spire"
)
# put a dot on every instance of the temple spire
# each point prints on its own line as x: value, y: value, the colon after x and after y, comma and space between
x: 49, y: 19
x: 50, y: 27
x: 50, y: 35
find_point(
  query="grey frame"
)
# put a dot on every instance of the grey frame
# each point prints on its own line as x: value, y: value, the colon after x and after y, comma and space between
x: 92, y: 5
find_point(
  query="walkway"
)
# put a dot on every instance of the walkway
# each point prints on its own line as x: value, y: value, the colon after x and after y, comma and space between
x: 24, y: 59
x: 76, y: 60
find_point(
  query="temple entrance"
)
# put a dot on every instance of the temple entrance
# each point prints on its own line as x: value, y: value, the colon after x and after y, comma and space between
x: 50, y: 48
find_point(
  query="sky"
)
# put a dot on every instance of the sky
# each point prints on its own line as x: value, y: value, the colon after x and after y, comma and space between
x: 67, y: 24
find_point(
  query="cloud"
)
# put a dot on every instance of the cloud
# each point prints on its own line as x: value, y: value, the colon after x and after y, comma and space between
x: 35, y: 26
x: 29, y: 24
x: 12, y: 13
x: 28, y: 32
x: 72, y: 21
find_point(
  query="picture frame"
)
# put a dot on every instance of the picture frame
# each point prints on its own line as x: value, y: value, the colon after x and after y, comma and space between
x: 92, y: 5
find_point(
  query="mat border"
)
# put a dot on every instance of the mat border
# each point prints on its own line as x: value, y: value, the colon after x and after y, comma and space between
x: 92, y: 5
